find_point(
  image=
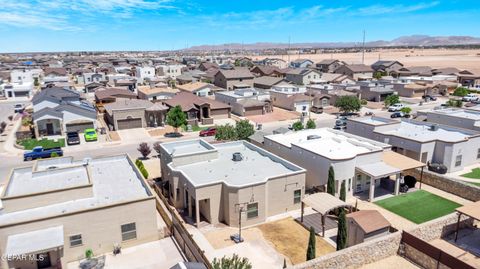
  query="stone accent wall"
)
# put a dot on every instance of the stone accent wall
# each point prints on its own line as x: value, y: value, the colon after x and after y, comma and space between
x: 357, y: 256
x: 420, y: 258
x: 440, y: 227
x: 444, y: 183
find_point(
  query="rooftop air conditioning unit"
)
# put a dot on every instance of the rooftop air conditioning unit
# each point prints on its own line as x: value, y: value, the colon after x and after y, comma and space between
x: 434, y: 127
x: 311, y: 137
x: 237, y: 156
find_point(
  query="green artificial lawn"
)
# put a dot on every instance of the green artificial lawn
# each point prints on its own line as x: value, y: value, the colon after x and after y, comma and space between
x: 475, y: 174
x: 29, y: 144
x: 419, y: 206
x: 195, y: 128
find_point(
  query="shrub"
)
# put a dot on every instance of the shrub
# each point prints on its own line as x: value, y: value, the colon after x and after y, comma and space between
x: 53, y: 154
x: 331, y: 181
x: 141, y: 168
x: 363, y: 102
x: 406, y: 110
x: 226, y: 132
x: 234, y: 262
x: 3, y: 125
x: 10, y: 118
x: 89, y: 253
x: 297, y: 126
x: 347, y: 104
x: 391, y: 100
x: 244, y: 129
x: 144, y: 149
x: 311, y: 124
x: 311, y: 248
x: 342, y: 231
x: 460, y: 91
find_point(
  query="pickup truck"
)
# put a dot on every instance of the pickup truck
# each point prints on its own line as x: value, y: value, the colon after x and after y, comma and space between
x: 39, y: 152
x: 470, y: 97
x: 395, y: 107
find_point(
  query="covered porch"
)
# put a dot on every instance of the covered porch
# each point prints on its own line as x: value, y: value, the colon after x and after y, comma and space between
x: 48, y: 127
x: 38, y: 249
x: 155, y: 115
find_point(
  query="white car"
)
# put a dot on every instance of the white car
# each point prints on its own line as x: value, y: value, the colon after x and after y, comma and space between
x: 470, y: 97
x: 395, y: 107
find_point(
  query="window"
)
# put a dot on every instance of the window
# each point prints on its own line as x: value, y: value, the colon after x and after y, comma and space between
x: 129, y: 231
x: 178, y: 194
x: 349, y: 184
x: 478, y: 154
x: 297, y: 196
x: 252, y: 211
x: 76, y: 240
x: 458, y: 160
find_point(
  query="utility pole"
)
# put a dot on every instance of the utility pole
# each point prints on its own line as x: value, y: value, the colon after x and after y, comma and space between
x: 288, y: 51
x: 363, y: 45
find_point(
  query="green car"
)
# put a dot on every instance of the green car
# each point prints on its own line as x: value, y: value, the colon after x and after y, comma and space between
x: 90, y: 135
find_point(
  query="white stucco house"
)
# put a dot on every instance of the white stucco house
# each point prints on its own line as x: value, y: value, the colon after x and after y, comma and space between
x: 144, y: 72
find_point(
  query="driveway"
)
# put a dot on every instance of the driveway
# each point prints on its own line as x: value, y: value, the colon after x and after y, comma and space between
x: 278, y: 114
x: 138, y: 135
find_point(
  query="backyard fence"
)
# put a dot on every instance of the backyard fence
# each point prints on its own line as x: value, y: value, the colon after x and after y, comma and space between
x: 178, y: 230
x: 429, y: 256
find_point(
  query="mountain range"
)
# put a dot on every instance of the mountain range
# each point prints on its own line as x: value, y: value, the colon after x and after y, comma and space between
x: 413, y: 41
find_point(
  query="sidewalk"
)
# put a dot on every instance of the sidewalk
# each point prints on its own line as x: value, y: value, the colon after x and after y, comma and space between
x: 8, y: 146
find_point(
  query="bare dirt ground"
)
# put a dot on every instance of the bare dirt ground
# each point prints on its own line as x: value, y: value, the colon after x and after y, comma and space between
x: 278, y: 114
x: 436, y: 58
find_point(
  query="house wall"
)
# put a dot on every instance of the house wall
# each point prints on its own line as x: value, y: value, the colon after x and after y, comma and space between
x: 125, y: 113
x: 221, y: 113
x: 100, y: 229
x: 281, y: 100
x: 460, y: 122
x: 68, y: 117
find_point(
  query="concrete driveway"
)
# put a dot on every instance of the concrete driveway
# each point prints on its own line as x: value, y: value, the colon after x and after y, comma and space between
x: 138, y: 135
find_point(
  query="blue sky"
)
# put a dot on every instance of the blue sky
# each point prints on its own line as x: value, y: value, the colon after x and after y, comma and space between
x: 72, y: 25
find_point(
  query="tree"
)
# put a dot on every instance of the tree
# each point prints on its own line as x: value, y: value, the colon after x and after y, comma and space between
x: 311, y: 124
x: 461, y: 91
x: 157, y: 147
x: 391, y: 100
x: 406, y: 110
x: 311, y: 248
x: 454, y: 103
x: 144, y: 149
x: 343, y: 192
x: 297, y: 126
x: 244, y: 129
x: 348, y: 104
x: 379, y: 74
x: 234, y: 262
x: 35, y: 82
x: 176, y: 118
x: 342, y: 230
x: 225, y: 132
x: 331, y: 181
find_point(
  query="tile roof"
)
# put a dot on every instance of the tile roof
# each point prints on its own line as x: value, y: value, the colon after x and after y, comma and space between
x: 188, y: 101
x: 369, y: 220
x: 236, y: 73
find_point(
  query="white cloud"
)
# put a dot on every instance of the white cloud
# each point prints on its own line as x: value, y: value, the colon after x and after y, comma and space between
x: 382, y: 9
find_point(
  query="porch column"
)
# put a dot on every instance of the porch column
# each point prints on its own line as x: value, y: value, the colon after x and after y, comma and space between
x: 372, y: 190
x: 189, y: 205
x: 197, y: 213
x: 397, y: 184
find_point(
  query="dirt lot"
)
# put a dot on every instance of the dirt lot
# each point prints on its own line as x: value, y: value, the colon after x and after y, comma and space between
x: 278, y: 114
x: 291, y: 239
x: 436, y: 58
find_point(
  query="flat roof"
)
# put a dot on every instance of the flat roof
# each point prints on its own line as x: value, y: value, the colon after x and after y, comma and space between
x: 114, y: 181
x: 329, y: 143
x: 422, y: 132
x: 374, y: 120
x: 257, y: 166
x: 187, y: 147
x: 35, y: 241
x: 460, y: 113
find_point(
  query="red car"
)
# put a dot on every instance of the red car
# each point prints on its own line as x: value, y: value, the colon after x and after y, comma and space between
x: 208, y: 132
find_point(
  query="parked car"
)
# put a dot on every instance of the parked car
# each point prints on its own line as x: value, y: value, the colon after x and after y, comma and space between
x: 73, y: 138
x: 90, y: 135
x: 173, y: 134
x: 341, y: 122
x: 208, y: 132
x: 470, y: 97
x: 429, y: 97
x: 18, y: 108
x: 41, y: 153
x: 399, y: 115
x: 395, y: 107
x: 339, y: 127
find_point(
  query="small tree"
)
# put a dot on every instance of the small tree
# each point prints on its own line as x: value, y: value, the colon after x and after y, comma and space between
x: 35, y: 82
x: 176, y: 118
x: 226, y: 132
x: 311, y: 124
x: 331, y: 181
x: 342, y: 230
x: 244, y: 129
x: 297, y: 126
x: 406, y: 110
x: 343, y: 192
x: 157, y: 147
x: 89, y: 253
x: 348, y: 104
x: 391, y: 100
x: 142, y: 168
x: 144, y: 149
x: 234, y: 262
x: 311, y: 248
x: 461, y: 91
x: 454, y: 103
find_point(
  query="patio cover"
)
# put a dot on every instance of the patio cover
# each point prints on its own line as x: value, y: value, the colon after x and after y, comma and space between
x: 35, y: 241
x: 378, y: 170
x: 323, y: 202
x: 399, y: 161
x: 471, y: 210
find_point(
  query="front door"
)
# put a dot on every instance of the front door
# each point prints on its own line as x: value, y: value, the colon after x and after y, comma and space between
x: 49, y: 128
x: 43, y: 260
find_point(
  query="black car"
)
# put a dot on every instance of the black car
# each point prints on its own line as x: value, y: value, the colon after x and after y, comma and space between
x: 429, y: 97
x: 399, y: 115
x: 73, y: 138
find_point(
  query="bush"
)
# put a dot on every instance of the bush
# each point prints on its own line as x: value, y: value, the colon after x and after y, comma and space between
x: 439, y: 168
x: 461, y: 91
x: 89, y: 253
x: 348, y: 104
x: 406, y: 110
x: 53, y: 154
x: 10, y: 118
x: 454, y: 103
x: 3, y: 125
x: 297, y: 126
x: 144, y: 149
x: 141, y: 168
x: 363, y: 102
x: 244, y: 129
x: 391, y: 100
x: 311, y: 124
x: 226, y: 132
x: 234, y: 262
x: 156, y: 147
x: 410, y: 181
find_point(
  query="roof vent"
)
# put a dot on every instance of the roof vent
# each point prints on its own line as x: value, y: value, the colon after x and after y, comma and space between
x: 312, y: 137
x: 237, y: 156
x: 434, y: 127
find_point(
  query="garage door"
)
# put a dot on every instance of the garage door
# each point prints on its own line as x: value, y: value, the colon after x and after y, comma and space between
x: 252, y: 111
x: 79, y: 127
x: 129, y: 123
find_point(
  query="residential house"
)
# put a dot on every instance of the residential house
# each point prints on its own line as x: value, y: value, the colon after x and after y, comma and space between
x: 332, y: 78
x: 143, y: 73
x: 265, y: 70
x: 25, y: 75
x: 91, y: 77
x: 246, y: 101
x: 170, y: 70
x: 365, y: 225
x: 291, y: 97
x: 79, y: 205
x: 53, y: 75
x: 468, y: 79
x: 57, y: 111
x: 267, y: 82
x: 240, y: 180
x: 356, y: 71
x: 361, y: 163
x: 129, y: 83
x: 201, y: 89
x: 190, y: 76
x: 205, y: 66
x: 454, y: 147
x: 461, y: 118
x: 385, y: 66
x: 301, y: 63
x: 328, y: 65
x: 105, y: 95
x: 156, y: 93
x: 375, y: 92
x: 279, y: 63
x: 199, y: 110
x: 303, y: 76
x: 423, y: 71
x: 238, y: 77
x: 17, y: 89
x: 134, y: 113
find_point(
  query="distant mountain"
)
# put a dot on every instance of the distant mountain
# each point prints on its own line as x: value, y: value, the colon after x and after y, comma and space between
x: 414, y: 40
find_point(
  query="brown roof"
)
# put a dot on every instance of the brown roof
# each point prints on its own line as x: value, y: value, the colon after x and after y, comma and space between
x: 369, y: 220
x: 112, y: 93
x: 188, y: 101
x: 123, y: 103
x: 194, y: 86
x: 357, y: 68
x: 236, y: 73
x: 57, y: 71
x: 266, y: 80
x: 147, y: 90
x: 266, y: 69
x: 471, y: 210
